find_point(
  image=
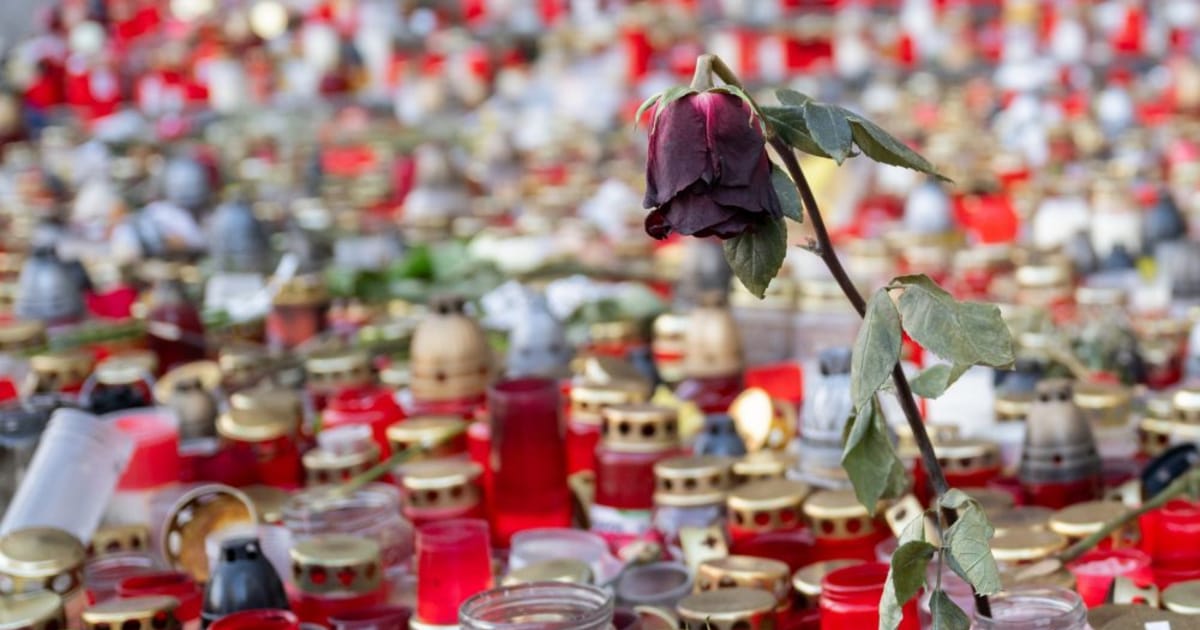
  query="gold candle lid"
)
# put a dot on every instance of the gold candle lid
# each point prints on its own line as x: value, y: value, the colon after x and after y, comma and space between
x: 425, y: 431
x: 322, y: 466
x: 333, y: 563
x: 728, y: 609
x: 143, y: 613
x: 837, y: 514
x: 1084, y: 519
x: 746, y: 571
x: 193, y: 517
x: 253, y: 426
x: 568, y: 570
x: 268, y: 502
x: 768, y: 505
x: 41, y: 610
x: 40, y: 558
x: 1183, y: 597
x: 807, y: 579
x: 714, y: 343
x: 242, y: 360
x: 588, y: 400
x: 639, y: 428
x: 206, y: 373
x: 1104, y: 403
x: 1026, y: 545
x: 965, y: 455
x: 125, y: 369
x: 22, y: 335
x: 1012, y: 406
x: 62, y: 367
x: 302, y: 290
x: 691, y: 481
x: 992, y: 500
x: 441, y: 483
x: 396, y: 375
x: 1160, y: 407
x: 338, y: 368
x: 762, y: 466
x: 119, y: 538
x: 618, y: 331
x: 1186, y: 404
x: 1022, y: 517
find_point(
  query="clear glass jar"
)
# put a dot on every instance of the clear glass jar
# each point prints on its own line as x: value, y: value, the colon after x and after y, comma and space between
x: 1034, y: 608
x: 372, y: 511
x: 538, y: 606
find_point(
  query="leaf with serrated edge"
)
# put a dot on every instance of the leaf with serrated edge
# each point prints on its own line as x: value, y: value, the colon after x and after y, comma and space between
x: 955, y: 499
x: 935, y: 380
x: 969, y: 554
x: 829, y: 128
x: 792, y: 97
x: 789, y: 198
x: 967, y: 333
x: 870, y: 460
x: 788, y: 123
x: 946, y: 614
x: 876, y: 349
x: 905, y: 578
x: 882, y: 146
x: 757, y: 256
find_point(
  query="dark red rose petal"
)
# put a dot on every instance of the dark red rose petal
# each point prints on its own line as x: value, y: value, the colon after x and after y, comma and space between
x: 734, y: 139
x: 678, y: 155
x: 657, y: 226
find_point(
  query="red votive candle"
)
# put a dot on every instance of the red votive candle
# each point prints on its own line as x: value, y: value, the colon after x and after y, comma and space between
x: 585, y: 417
x: 529, y: 474
x: 850, y: 598
x: 635, y: 438
x: 257, y: 620
x: 842, y: 527
x: 454, y: 560
x: 335, y: 574
x: 171, y: 583
x: 378, y: 618
x: 1171, y: 537
x: 1094, y: 572
x: 373, y: 406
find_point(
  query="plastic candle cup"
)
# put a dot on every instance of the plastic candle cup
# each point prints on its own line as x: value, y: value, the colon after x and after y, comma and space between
x: 454, y: 561
x: 850, y: 598
x: 1094, y: 572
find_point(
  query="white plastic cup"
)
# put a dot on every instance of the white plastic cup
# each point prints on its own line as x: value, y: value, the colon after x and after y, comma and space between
x: 72, y: 475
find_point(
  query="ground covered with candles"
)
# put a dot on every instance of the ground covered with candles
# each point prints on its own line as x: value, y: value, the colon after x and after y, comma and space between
x: 592, y: 314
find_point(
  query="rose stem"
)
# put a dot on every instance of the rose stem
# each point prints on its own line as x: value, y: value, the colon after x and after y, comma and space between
x: 903, y: 392
x: 1180, y: 486
x: 379, y: 470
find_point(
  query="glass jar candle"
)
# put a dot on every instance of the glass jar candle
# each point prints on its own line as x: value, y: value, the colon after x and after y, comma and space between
x: 728, y: 609
x: 1171, y: 537
x: 1081, y: 520
x: 539, y: 606
x: 265, y: 442
x: 374, y: 407
x: 454, y: 562
x: 1029, y: 608
x: 588, y: 402
x: 119, y: 382
x: 529, y: 467
x: 764, y: 574
x: 634, y: 439
x: 377, y: 618
x: 659, y: 584
x: 153, y: 611
x: 556, y: 570
x: 175, y: 584
x: 842, y: 526
x: 532, y: 546
x: 689, y: 492
x: 850, y: 598
x: 34, y: 611
x: 298, y: 311
x: 438, y: 437
x: 334, y: 574
x: 437, y: 490
x: 62, y: 371
x: 174, y: 329
x: 1095, y: 571
x: 21, y: 429
x: 372, y: 511
x: 766, y: 521
x: 329, y: 373
x: 101, y: 575
x: 258, y: 620
x: 44, y: 558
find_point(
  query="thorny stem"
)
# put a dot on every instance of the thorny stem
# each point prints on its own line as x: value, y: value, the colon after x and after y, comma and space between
x: 903, y: 392
x: 1183, y: 485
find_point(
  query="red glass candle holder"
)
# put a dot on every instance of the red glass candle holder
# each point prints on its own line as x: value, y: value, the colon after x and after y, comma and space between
x: 1171, y: 537
x: 454, y: 561
x: 1094, y: 572
x: 529, y: 467
x: 850, y: 598
x: 319, y: 609
x: 797, y: 548
x: 257, y: 620
x: 372, y: 406
x: 171, y: 583
x: 291, y: 325
x: 275, y: 462
x: 1058, y: 495
x: 377, y: 618
x: 711, y: 394
x: 582, y: 439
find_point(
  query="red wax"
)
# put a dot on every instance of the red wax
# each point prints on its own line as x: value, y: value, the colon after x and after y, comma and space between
x: 624, y: 480
x: 796, y: 548
x: 582, y: 439
x: 1094, y: 572
x: 275, y: 462
x: 711, y: 394
x: 171, y: 583
x: 290, y: 326
x: 1171, y: 535
x: 479, y: 445
x: 454, y: 561
x: 856, y: 548
x: 1059, y: 495
x: 311, y: 608
x: 175, y: 333
x: 975, y: 478
x: 257, y: 620
x: 850, y: 598
x: 528, y: 457
x: 373, y: 406
x: 465, y: 408
x: 419, y: 516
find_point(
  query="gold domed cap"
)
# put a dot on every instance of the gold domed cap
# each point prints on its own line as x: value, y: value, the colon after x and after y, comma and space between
x: 1104, y: 404
x: 762, y: 466
x: 247, y: 425
x: 588, y: 400
x: 157, y: 611
x: 336, y: 563
x: 322, y: 466
x: 838, y: 514
x: 1186, y: 404
x: 441, y: 484
x: 302, y: 290
x: 268, y: 502
x: 439, y: 434
x: 242, y: 359
x: 747, y: 571
x: 61, y: 368
x: 992, y: 500
x: 126, y: 368
x: 334, y: 369
x: 965, y: 455
x: 728, y: 609
x: 615, y: 332
x: 22, y: 335
x: 713, y: 343
x: 1183, y: 597
x: 40, y: 610
x: 807, y: 579
x: 1022, y: 517
x: 1084, y: 519
x: 639, y: 428
x: 449, y: 357
x: 283, y: 403
x: 770, y: 505
x: 567, y: 570
x: 205, y: 374
x: 1026, y: 545
x: 37, y: 558
x: 1012, y: 406
x: 691, y: 481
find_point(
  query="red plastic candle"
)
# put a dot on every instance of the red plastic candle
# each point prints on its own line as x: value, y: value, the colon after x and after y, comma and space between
x: 1171, y: 537
x: 635, y: 438
x: 378, y: 618
x: 334, y: 574
x: 850, y: 598
x: 584, y: 419
x: 257, y: 620
x: 529, y: 467
x: 171, y: 583
x: 842, y: 527
x: 372, y: 406
x: 439, y: 490
x: 454, y: 561
x: 263, y: 442
x: 1094, y: 572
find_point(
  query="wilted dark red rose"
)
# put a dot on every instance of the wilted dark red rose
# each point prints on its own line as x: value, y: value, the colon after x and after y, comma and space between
x: 708, y: 173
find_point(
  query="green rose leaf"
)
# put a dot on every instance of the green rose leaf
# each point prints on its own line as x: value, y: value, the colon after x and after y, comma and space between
x: 792, y: 97
x: 905, y: 578
x: 789, y: 198
x: 881, y: 146
x: 756, y: 256
x: 830, y: 129
x: 970, y: 555
x: 934, y: 381
x: 965, y: 333
x: 788, y: 123
x: 876, y: 349
x: 870, y: 460
x: 946, y: 614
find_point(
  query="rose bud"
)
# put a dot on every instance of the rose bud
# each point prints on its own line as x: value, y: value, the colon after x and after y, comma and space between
x: 708, y: 173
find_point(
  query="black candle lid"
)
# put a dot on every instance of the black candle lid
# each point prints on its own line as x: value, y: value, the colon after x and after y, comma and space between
x: 242, y: 580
